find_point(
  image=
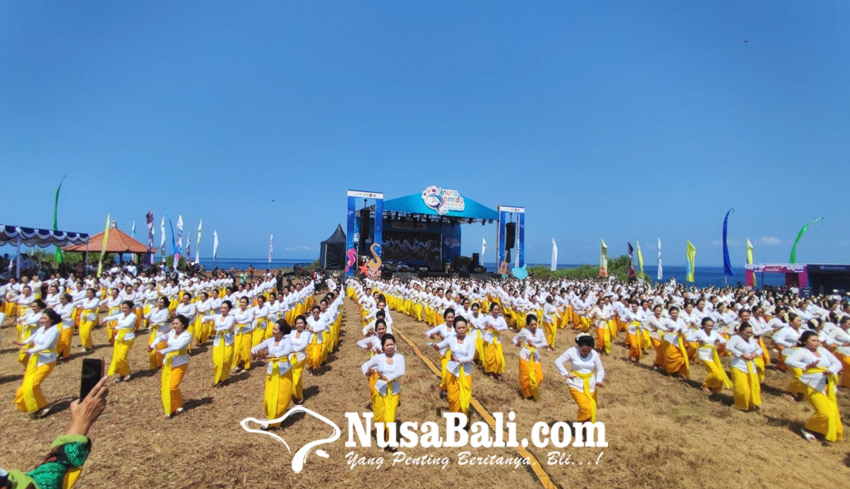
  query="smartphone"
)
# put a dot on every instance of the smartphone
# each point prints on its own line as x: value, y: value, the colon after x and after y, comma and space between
x: 92, y: 373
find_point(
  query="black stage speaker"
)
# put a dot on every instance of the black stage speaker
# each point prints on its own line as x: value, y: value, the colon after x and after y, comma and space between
x: 475, y: 259
x: 365, y: 229
x: 510, y: 235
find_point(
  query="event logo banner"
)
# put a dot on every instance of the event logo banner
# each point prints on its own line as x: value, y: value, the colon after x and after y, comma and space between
x: 442, y: 200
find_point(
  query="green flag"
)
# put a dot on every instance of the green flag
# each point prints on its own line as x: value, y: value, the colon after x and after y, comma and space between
x: 800, y: 235
x: 55, y: 218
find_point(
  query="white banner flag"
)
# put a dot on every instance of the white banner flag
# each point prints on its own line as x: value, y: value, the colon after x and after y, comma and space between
x: 198, y: 244
x: 162, y: 239
x: 483, y: 250
x: 271, y: 247
x: 660, y: 269
x: 554, y: 255
x: 215, y: 245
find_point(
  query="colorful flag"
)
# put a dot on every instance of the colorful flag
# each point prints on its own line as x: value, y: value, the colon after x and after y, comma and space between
x: 727, y: 263
x: 603, y: 260
x: 692, y: 255
x: 750, y: 259
x: 640, y: 260
x: 800, y: 235
x: 271, y: 247
x: 149, y: 219
x: 179, y: 250
x: 554, y: 255
x: 631, y: 261
x: 133, y: 230
x: 198, y: 244
x: 162, y: 239
x: 660, y: 268
x: 56, y: 220
x: 103, y: 247
x: 188, y: 245
x: 215, y: 245
x: 516, y: 248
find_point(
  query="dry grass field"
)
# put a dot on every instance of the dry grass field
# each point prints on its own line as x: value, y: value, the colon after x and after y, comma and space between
x: 662, y: 432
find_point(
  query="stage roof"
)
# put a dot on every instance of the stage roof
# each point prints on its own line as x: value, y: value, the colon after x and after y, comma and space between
x: 463, y: 207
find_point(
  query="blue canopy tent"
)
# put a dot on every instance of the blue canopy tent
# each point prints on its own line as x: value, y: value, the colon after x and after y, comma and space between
x: 43, y: 238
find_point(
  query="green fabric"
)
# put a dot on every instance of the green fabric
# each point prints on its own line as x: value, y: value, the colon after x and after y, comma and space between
x: 55, y: 220
x: 20, y: 480
x: 805, y: 228
x: 68, y: 451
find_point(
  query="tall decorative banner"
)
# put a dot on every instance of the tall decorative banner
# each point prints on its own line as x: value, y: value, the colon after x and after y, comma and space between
x: 374, y: 264
x: 554, y: 265
x: 149, y: 219
x: 750, y: 258
x: 640, y: 260
x: 660, y: 276
x: 179, y: 250
x: 198, y: 244
x: 103, y: 247
x: 162, y: 239
x: 727, y: 263
x: 483, y: 251
x: 692, y: 255
x: 271, y: 248
x: 603, y: 260
x: 56, y: 218
x: 133, y: 230
x: 215, y: 246
x: 188, y: 245
x: 800, y: 235
x: 631, y: 261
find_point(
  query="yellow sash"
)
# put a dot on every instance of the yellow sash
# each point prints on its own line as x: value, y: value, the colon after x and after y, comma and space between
x: 719, y: 365
x: 834, y: 419
x: 685, y: 355
x: 586, y: 378
x: 465, y: 391
x: 755, y: 388
x: 532, y: 375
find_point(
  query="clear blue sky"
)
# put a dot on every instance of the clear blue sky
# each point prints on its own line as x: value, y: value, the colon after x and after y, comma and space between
x: 622, y: 121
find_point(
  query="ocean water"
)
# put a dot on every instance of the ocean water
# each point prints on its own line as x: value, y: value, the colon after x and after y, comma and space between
x: 703, y: 276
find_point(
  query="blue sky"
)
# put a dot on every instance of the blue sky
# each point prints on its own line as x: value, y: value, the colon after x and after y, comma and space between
x: 622, y: 121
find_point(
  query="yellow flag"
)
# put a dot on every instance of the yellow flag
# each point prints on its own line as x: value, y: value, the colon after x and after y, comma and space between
x: 750, y: 259
x: 103, y: 247
x: 640, y: 260
x: 692, y: 255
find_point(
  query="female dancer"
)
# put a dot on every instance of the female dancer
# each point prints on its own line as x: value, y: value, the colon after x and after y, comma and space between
x: 125, y: 326
x: 300, y: 338
x: 389, y: 367
x: 584, y: 376
x: 175, y: 363
x: 158, y: 323
x: 278, y: 391
x: 459, y: 367
x: 820, y: 375
x: 223, y: 343
x: 530, y: 339
x: 42, y: 359
x: 88, y: 318
x: 242, y: 339
x: 373, y: 344
x: 550, y: 320
x: 708, y: 341
x: 744, y: 350
x: 675, y: 354
x: 28, y: 323
x: 439, y: 333
x: 65, y: 309
x: 494, y: 356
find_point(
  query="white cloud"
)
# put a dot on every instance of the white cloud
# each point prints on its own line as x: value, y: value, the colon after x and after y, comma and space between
x: 297, y: 248
x: 731, y: 242
x: 769, y: 241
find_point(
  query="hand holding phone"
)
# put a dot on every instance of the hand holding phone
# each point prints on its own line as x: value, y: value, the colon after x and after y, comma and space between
x: 92, y: 373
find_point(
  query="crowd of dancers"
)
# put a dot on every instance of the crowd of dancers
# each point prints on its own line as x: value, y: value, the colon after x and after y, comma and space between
x: 286, y: 327
x: 806, y: 338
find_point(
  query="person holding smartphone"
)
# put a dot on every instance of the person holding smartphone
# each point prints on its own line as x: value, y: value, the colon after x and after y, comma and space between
x: 41, y: 348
